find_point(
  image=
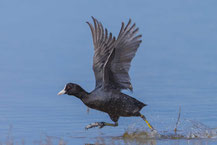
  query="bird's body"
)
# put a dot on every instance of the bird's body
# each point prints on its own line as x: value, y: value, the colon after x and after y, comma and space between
x: 113, y: 102
x: 111, y: 64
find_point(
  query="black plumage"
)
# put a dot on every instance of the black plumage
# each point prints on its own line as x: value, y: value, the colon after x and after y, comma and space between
x: 111, y: 64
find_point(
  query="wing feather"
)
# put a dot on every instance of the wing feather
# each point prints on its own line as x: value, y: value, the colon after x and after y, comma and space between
x: 126, y: 46
x: 112, y: 58
x: 103, y: 45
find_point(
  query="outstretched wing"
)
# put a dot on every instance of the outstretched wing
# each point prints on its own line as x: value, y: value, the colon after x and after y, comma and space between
x: 103, y: 45
x: 118, y: 64
x: 112, y: 58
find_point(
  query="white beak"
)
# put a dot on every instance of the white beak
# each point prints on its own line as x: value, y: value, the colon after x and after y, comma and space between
x: 62, y: 92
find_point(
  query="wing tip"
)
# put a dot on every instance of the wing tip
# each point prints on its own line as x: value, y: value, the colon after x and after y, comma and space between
x: 93, y: 17
x: 130, y: 20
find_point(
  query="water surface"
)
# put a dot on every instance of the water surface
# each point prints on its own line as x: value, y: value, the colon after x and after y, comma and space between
x: 46, y: 44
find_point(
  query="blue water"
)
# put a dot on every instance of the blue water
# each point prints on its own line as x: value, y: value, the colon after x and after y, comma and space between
x: 46, y: 44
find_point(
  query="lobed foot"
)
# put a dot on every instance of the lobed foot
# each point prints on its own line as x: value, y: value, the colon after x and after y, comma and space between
x: 96, y: 124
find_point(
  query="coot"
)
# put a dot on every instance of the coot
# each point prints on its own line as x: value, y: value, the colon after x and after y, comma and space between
x: 111, y: 64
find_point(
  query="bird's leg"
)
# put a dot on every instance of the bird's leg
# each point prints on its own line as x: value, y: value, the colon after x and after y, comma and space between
x: 149, y: 125
x: 100, y: 125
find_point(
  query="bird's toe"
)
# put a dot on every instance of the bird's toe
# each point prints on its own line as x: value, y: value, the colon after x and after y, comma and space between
x: 101, y: 124
x: 91, y: 126
x: 96, y: 124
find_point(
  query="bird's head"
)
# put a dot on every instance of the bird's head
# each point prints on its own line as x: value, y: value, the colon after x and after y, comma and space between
x: 71, y: 89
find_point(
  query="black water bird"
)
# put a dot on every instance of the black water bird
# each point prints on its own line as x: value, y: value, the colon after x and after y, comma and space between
x: 111, y: 64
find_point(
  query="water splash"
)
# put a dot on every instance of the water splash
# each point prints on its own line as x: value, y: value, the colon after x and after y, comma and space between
x: 188, y: 129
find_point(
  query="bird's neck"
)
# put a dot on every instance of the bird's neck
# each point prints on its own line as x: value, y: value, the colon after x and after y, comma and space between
x: 81, y: 94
